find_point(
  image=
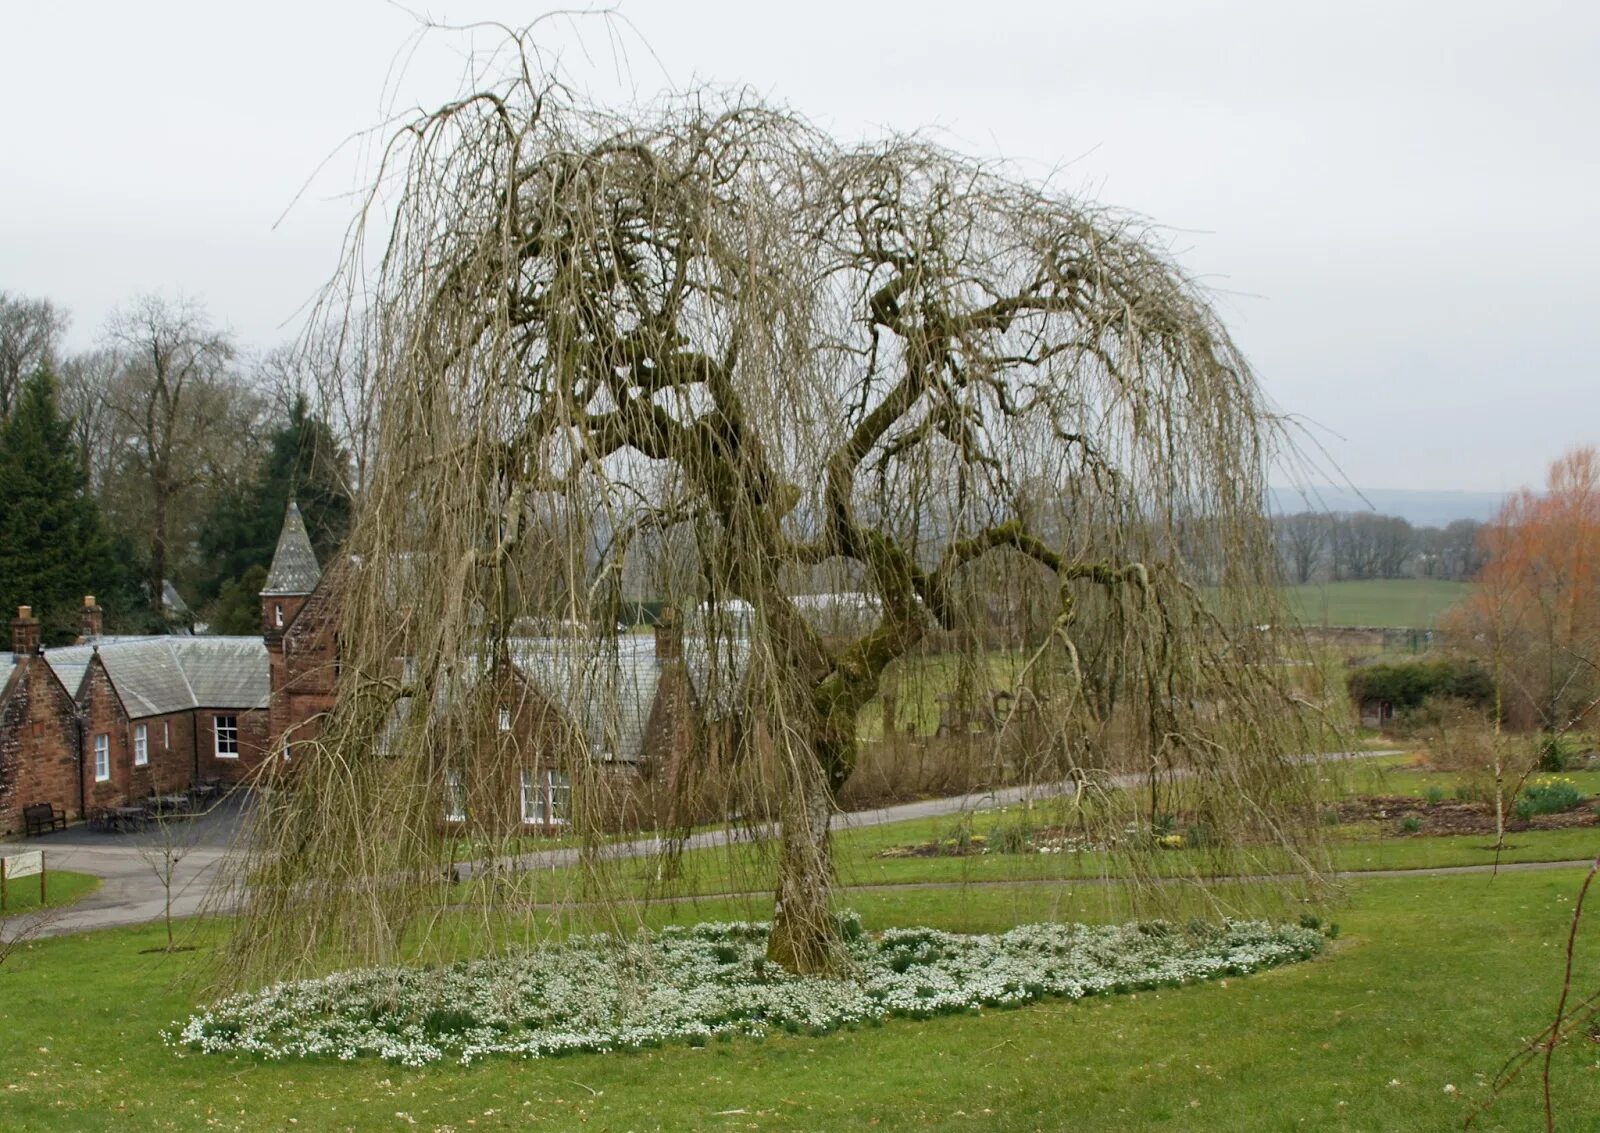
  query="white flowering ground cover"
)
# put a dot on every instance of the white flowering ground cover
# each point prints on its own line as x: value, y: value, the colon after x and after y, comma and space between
x: 604, y: 993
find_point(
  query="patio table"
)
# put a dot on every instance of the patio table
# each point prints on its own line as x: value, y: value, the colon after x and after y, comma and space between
x: 126, y: 818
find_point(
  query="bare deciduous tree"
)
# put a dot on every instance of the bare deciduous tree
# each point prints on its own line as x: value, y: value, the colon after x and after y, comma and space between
x: 1303, y: 540
x: 87, y: 381
x: 172, y: 835
x: 718, y: 320
x: 30, y: 332
x: 172, y: 401
x: 1534, y: 617
x: 332, y: 369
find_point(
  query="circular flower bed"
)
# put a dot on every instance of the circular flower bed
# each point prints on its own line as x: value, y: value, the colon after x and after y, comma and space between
x: 601, y: 993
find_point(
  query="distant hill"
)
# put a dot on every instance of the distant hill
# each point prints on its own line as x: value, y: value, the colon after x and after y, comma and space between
x: 1424, y: 509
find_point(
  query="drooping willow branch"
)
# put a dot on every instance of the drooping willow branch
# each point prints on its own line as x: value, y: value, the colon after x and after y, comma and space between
x: 705, y: 356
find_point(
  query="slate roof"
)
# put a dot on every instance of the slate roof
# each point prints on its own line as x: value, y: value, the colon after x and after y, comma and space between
x: 716, y: 654
x: 608, y: 695
x: 70, y: 664
x: 294, y: 564
x: 156, y: 675
x: 609, y: 689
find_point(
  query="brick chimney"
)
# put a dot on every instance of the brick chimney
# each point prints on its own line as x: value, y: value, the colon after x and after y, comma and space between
x: 24, y: 633
x: 669, y: 636
x: 93, y: 620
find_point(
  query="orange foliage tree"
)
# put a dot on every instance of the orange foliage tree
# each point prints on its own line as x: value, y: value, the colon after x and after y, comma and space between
x: 1534, y: 617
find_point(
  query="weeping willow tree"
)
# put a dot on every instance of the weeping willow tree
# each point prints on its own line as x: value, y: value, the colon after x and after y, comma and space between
x: 709, y: 335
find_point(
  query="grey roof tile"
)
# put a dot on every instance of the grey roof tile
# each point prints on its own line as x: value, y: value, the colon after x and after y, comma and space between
x: 157, y: 675
x: 71, y: 662
x: 609, y: 695
x: 294, y: 564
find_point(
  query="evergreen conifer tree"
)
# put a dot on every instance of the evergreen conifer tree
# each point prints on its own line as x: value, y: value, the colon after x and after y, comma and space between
x: 54, y: 547
x: 304, y: 463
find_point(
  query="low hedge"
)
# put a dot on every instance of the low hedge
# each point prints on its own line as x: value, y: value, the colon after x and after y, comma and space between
x: 1406, y: 684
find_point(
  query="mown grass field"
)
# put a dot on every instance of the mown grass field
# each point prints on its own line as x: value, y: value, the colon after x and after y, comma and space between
x: 1405, y: 603
x: 1432, y: 983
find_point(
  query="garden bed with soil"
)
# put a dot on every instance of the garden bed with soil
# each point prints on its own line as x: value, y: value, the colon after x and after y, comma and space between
x: 1410, y: 816
x: 1038, y: 840
x: 940, y: 848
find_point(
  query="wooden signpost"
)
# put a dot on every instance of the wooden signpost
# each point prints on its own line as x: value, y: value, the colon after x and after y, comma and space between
x: 16, y: 866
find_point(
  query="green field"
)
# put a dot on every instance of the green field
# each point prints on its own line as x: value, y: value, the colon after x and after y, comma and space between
x: 1399, y: 603
x: 1432, y: 983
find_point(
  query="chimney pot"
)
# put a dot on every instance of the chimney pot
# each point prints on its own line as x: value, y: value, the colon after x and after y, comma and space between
x: 93, y: 624
x: 669, y: 636
x: 24, y: 634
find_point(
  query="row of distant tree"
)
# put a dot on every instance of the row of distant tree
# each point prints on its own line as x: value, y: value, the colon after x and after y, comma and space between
x: 1337, y: 546
x: 160, y: 462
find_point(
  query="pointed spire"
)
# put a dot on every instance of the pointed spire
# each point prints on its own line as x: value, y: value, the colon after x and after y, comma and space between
x: 294, y: 564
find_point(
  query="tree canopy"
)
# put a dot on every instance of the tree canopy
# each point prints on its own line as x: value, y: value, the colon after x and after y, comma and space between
x: 790, y: 361
x: 303, y: 462
x: 1534, y: 617
x: 54, y: 547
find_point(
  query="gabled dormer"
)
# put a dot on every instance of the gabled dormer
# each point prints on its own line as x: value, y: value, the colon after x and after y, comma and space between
x: 292, y: 578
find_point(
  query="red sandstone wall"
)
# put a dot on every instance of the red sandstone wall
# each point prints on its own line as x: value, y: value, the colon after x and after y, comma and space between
x: 104, y: 716
x: 38, y: 746
x: 303, y: 661
x: 252, y: 744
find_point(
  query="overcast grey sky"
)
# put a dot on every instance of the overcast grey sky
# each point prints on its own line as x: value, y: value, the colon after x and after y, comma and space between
x: 1396, y: 202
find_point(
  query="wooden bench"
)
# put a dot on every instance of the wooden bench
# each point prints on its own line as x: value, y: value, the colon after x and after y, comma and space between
x: 41, y: 818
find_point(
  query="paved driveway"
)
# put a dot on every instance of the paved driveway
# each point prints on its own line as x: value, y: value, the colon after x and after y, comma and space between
x: 130, y: 867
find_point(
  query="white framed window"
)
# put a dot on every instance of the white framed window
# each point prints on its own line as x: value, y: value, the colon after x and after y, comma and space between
x: 277, y: 614
x: 141, y: 745
x: 546, y: 797
x: 166, y: 735
x: 559, y: 789
x: 532, y: 799
x: 226, y: 731
x: 102, y: 758
x: 505, y: 719
x: 455, y: 797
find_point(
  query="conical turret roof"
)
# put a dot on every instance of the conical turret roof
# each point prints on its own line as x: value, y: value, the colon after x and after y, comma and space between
x: 294, y: 564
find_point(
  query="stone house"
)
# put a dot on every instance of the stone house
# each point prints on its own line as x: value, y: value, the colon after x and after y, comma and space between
x: 112, y: 720
x: 39, y: 750
x: 551, y: 710
x: 164, y: 714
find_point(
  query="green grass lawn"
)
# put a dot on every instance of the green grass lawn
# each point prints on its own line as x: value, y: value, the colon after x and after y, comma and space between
x: 1412, y: 603
x: 858, y: 860
x: 710, y: 872
x: 1401, y: 775
x: 1431, y: 984
x: 62, y: 887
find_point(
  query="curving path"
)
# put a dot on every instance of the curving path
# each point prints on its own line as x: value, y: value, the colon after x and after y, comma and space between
x: 132, y: 893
